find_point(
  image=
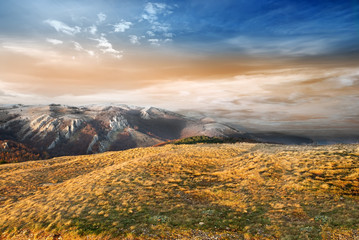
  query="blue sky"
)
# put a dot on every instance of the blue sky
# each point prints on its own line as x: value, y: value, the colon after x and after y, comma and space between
x: 265, y: 63
x: 247, y: 27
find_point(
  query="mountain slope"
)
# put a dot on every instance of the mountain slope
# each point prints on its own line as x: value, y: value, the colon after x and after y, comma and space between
x: 204, y: 191
x: 65, y: 130
x: 11, y: 152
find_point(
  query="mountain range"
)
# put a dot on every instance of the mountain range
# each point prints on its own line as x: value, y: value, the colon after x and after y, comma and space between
x: 67, y: 130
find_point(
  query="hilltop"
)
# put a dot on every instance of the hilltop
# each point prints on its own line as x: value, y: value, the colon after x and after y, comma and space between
x: 203, y: 191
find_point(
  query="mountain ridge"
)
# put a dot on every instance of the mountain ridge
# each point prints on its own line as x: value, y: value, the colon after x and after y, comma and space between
x: 69, y: 130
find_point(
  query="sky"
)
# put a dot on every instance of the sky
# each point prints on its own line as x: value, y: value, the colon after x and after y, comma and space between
x: 265, y: 64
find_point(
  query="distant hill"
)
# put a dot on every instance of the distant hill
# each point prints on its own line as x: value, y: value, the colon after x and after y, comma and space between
x: 281, y: 138
x: 200, y: 191
x: 206, y: 139
x: 68, y: 130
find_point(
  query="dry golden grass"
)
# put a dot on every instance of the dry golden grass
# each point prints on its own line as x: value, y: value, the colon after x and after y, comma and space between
x: 204, y: 191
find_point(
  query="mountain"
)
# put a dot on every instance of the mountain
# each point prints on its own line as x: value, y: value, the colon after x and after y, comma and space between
x: 68, y: 130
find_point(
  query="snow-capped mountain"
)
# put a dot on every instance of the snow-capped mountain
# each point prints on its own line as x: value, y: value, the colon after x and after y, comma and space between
x: 68, y: 130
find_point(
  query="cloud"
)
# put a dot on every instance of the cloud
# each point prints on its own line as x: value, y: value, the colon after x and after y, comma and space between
x: 101, y: 17
x: 348, y: 80
x: 134, y: 39
x: 289, y: 97
x: 235, y: 100
x: 152, y: 13
x: 158, y: 42
x: 122, y: 26
x: 150, y: 33
x: 79, y: 48
x: 62, y: 27
x: 31, y: 50
x: 160, y: 27
x: 91, y: 53
x: 106, y: 47
x: 54, y: 41
x: 299, y: 46
x: 92, y: 29
x: 168, y: 35
x: 154, y: 41
x: 152, y: 10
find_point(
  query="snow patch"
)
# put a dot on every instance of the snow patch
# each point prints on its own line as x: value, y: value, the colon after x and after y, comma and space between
x: 144, y: 113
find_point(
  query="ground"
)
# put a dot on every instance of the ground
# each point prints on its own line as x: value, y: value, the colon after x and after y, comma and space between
x: 202, y: 191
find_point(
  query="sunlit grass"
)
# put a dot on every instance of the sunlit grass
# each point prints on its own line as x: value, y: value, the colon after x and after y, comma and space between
x: 223, y: 191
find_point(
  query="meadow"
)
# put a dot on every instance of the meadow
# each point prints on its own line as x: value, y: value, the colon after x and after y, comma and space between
x: 201, y: 191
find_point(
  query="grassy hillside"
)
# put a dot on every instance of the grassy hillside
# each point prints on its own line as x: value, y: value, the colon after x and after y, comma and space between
x: 203, y: 191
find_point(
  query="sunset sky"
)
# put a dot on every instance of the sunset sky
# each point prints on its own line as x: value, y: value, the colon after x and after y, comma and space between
x: 265, y: 64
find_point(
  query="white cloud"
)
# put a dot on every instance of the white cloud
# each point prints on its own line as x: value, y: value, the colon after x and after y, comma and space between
x: 168, y: 35
x: 160, y: 27
x: 154, y: 41
x: 31, y: 51
x: 134, y: 39
x: 54, y: 41
x: 300, y: 46
x: 152, y: 13
x: 152, y: 10
x: 122, y: 26
x: 106, y: 47
x: 92, y: 29
x: 150, y: 33
x: 101, y: 17
x: 346, y: 80
x: 79, y: 48
x: 62, y: 27
x: 158, y: 41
